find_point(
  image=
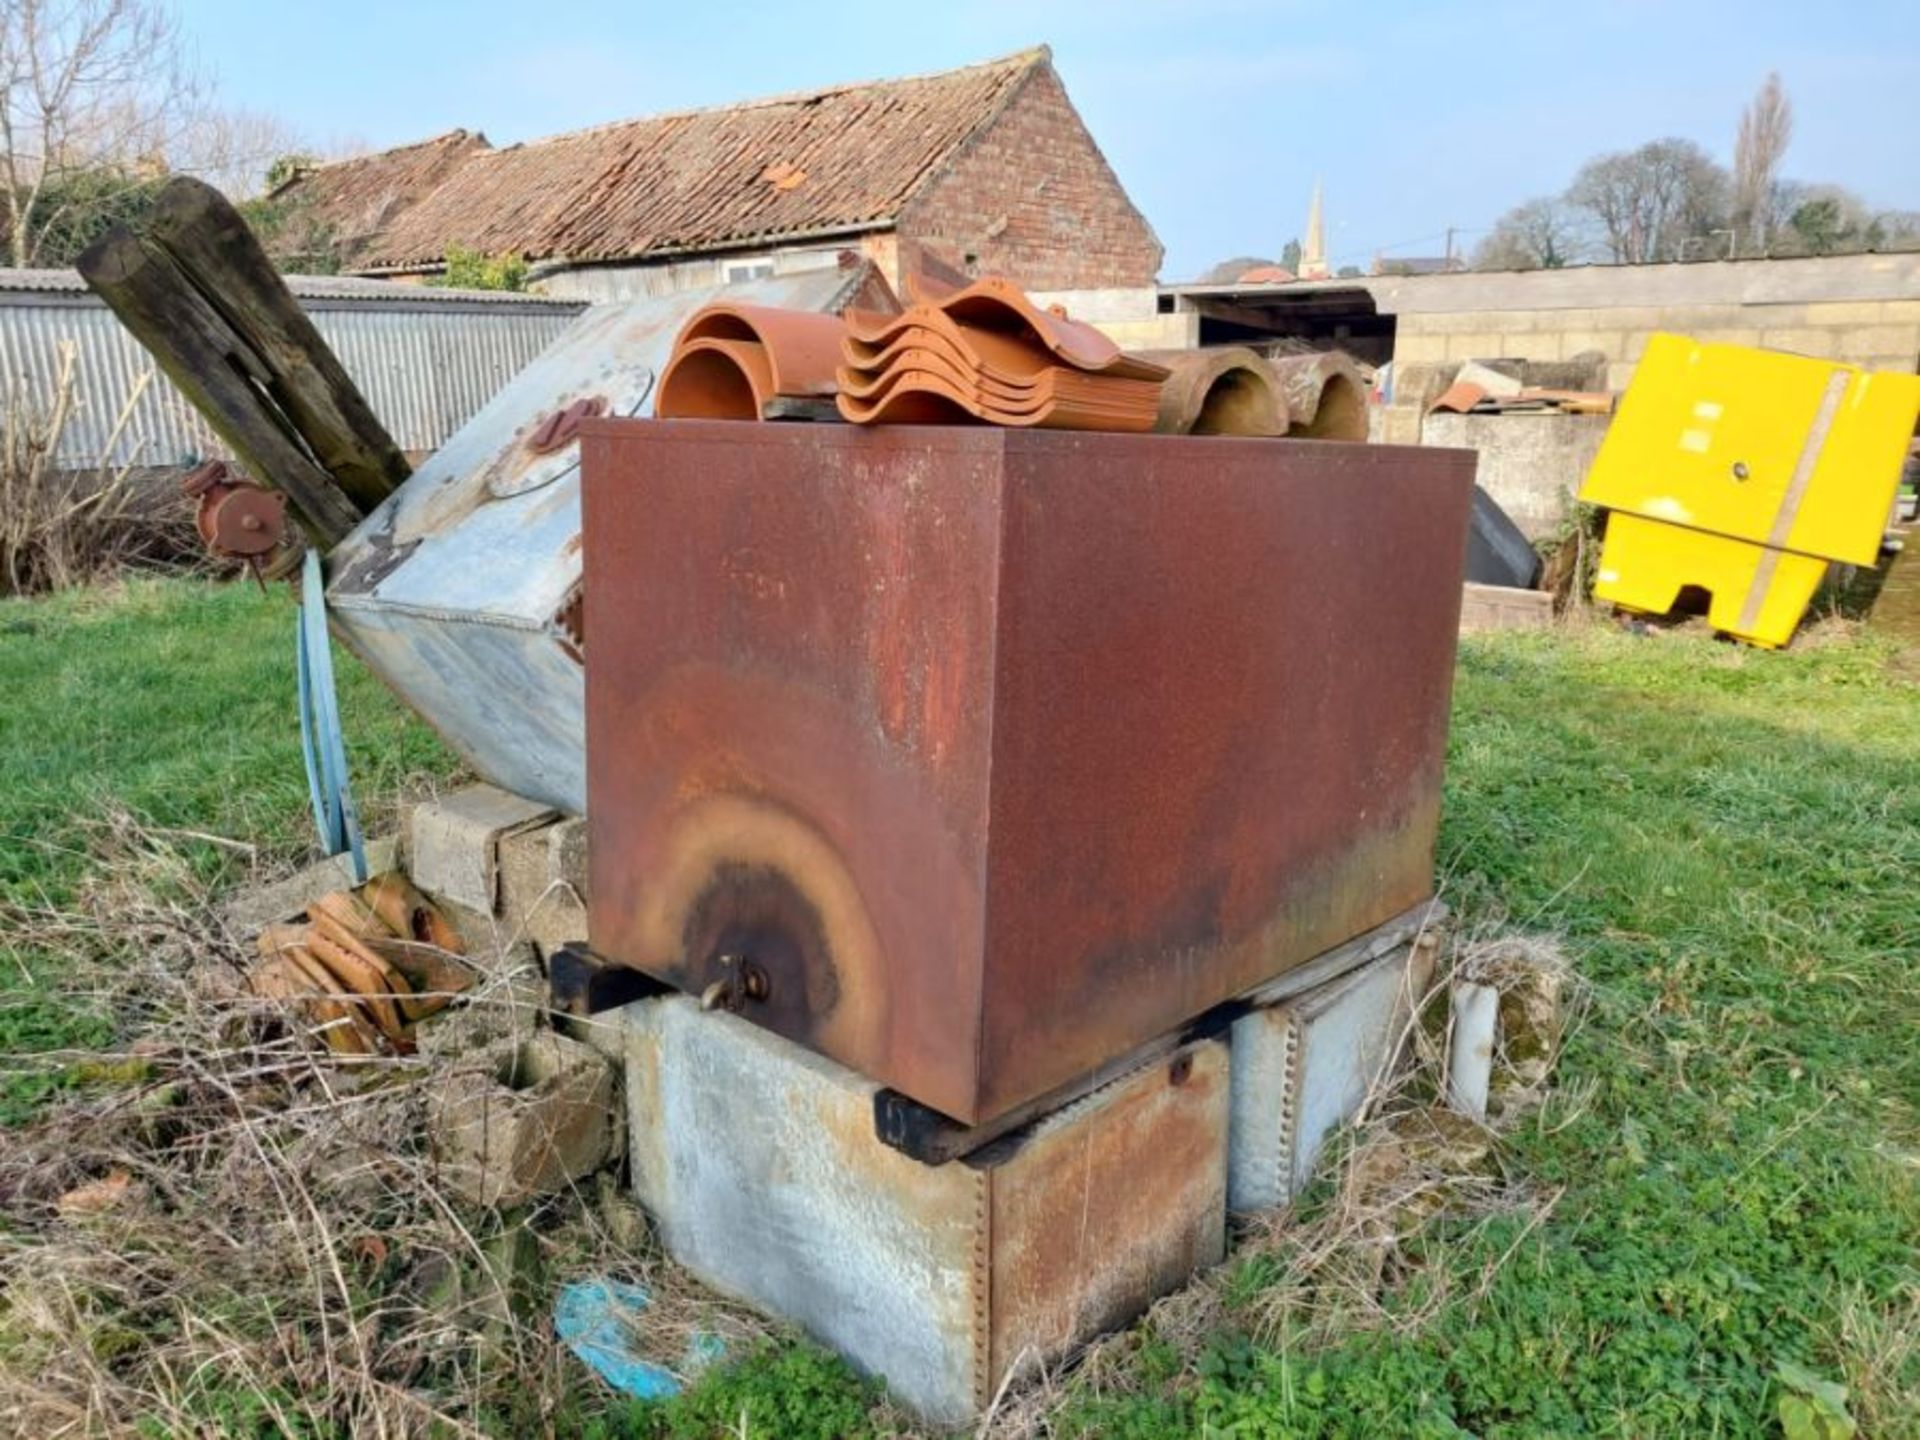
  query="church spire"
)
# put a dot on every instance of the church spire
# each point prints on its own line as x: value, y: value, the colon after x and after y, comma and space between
x: 1313, y: 255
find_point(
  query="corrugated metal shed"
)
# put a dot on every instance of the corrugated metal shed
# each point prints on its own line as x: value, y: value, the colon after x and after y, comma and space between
x: 426, y: 358
x: 828, y: 162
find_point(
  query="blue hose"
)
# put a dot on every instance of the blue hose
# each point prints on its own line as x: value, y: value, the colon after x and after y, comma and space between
x: 321, y: 744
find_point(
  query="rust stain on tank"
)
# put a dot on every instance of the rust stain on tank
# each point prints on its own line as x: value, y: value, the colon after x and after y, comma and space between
x: 1007, y: 751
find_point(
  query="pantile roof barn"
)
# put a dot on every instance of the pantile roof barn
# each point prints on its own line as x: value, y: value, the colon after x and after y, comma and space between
x: 988, y: 167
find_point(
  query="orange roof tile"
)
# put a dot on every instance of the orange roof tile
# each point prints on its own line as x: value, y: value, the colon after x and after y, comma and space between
x: 355, y: 200
x: 838, y: 160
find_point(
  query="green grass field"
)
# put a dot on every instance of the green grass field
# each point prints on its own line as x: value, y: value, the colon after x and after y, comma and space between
x: 171, y: 700
x: 1728, y: 841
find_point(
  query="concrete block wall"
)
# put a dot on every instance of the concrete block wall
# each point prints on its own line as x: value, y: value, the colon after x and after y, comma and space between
x: 1877, y: 334
x: 1130, y: 316
x: 1531, y: 464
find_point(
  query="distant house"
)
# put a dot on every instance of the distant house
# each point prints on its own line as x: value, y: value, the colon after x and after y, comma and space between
x: 986, y: 168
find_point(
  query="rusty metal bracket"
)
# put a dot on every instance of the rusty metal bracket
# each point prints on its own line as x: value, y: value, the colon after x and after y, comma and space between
x: 580, y: 983
x: 924, y: 1134
x: 562, y: 427
x: 920, y: 1133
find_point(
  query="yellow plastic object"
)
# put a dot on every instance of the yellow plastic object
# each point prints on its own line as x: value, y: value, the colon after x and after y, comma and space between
x: 1644, y: 563
x: 1743, y: 472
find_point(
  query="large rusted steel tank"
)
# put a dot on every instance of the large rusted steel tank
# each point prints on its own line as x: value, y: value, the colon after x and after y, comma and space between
x: 462, y: 590
x: 974, y: 758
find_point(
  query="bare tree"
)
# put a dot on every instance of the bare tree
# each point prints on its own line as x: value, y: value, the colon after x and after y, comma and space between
x: 1649, y: 202
x: 1766, y: 125
x: 233, y: 150
x: 1542, y: 234
x: 92, y: 97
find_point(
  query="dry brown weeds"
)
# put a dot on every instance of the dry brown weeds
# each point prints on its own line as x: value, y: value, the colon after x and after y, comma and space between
x: 224, y: 1230
x: 65, y: 527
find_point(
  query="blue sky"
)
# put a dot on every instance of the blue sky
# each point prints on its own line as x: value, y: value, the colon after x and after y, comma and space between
x: 1217, y: 114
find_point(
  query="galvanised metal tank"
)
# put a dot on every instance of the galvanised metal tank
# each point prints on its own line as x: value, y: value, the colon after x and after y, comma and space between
x: 462, y: 591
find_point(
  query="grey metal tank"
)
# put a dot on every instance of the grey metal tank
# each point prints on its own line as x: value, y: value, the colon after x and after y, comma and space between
x: 462, y: 592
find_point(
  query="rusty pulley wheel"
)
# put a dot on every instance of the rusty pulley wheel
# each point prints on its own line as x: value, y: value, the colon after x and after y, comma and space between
x: 238, y: 519
x: 247, y: 521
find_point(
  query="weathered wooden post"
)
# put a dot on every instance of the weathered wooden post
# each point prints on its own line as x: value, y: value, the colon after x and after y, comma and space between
x: 198, y: 291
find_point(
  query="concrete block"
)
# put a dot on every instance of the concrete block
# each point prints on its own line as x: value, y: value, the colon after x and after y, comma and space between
x: 1544, y: 342
x: 1398, y: 425
x: 252, y: 910
x: 759, y: 1164
x: 525, y: 1118
x: 1735, y: 335
x: 1411, y: 349
x: 1855, y: 345
x: 507, y: 1004
x: 1301, y: 1069
x: 605, y: 1032
x: 1845, y: 312
x: 567, y: 853
x: 1457, y: 322
x: 455, y: 842
x: 534, y: 901
x: 1690, y: 319
x: 1502, y: 607
x: 1800, y: 340
x: 1417, y: 386
x: 1531, y: 464
x: 1611, y: 343
x: 1476, y: 345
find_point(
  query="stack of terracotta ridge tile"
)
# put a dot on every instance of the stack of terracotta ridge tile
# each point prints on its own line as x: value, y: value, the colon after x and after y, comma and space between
x: 988, y: 353
x: 742, y: 362
x: 365, y: 965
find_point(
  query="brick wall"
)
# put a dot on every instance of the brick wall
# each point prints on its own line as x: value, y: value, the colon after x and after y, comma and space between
x: 1032, y: 198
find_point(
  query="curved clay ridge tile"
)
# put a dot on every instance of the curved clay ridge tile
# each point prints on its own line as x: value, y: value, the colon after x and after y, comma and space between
x: 997, y: 306
x: 919, y: 397
x: 1011, y: 358
x: 358, y: 974
x: 1325, y: 394
x: 910, y: 405
x: 409, y: 914
x: 1228, y: 390
x: 338, y: 1019
x: 942, y: 358
x: 802, y: 346
x: 712, y: 379
x: 1125, y: 399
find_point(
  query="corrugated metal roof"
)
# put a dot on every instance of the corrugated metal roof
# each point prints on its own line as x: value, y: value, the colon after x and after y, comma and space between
x: 837, y: 160
x: 351, y: 289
